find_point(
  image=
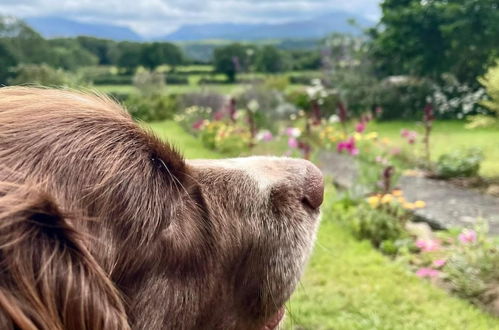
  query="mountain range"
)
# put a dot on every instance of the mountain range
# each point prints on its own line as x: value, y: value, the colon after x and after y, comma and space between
x: 318, y: 27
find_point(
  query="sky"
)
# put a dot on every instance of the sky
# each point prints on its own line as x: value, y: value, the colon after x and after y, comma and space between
x: 156, y: 17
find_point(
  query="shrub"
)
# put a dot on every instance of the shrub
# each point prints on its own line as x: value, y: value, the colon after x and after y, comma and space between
x: 152, y: 107
x: 112, y: 79
x: 43, y: 75
x: 149, y: 82
x: 460, y: 163
x: 204, y: 99
x: 402, y: 97
x: 491, y: 83
x: 472, y: 267
x: 225, y: 138
x: 176, y: 79
x: 453, y: 99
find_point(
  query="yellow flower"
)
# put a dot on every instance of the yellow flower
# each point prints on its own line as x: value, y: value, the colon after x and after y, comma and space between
x: 386, y: 199
x: 420, y: 204
x: 373, y: 201
x: 397, y: 193
x: 409, y: 206
x: 357, y: 136
x: 401, y: 200
x: 371, y: 136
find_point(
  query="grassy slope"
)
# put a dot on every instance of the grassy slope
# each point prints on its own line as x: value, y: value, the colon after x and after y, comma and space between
x: 451, y: 135
x: 349, y: 285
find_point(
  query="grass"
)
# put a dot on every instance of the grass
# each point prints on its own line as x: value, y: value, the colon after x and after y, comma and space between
x: 350, y: 285
x: 448, y: 136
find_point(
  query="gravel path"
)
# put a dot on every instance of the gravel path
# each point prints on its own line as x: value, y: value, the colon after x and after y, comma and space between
x: 446, y: 205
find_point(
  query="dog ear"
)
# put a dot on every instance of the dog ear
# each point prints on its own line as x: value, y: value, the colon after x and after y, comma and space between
x: 48, y: 279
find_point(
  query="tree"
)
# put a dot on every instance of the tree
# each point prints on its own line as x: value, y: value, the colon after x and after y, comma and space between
x: 105, y: 50
x: 159, y: 53
x: 130, y: 55
x: 68, y: 54
x: 8, y: 60
x: 272, y: 60
x: 230, y: 60
x: 432, y: 37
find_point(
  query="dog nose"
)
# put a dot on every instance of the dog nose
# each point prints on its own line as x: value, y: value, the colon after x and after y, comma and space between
x: 313, y: 189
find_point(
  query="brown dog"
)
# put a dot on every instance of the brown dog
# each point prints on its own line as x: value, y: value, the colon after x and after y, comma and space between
x: 103, y: 226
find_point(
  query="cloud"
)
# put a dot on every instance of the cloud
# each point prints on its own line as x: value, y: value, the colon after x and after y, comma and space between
x: 157, y: 17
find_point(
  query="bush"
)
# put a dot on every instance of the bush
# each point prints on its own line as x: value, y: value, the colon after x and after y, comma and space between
x: 204, y: 99
x: 112, y: 79
x: 225, y: 138
x: 152, y: 107
x: 460, y: 163
x: 176, y: 79
x: 43, y: 75
x: 402, y: 97
x: 491, y: 83
x: 149, y: 82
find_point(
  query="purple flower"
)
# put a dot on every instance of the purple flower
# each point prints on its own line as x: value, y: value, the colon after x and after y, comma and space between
x: 428, y: 113
x: 348, y: 146
x: 293, y: 143
x: 198, y: 125
x: 360, y: 127
x: 467, y: 236
x: 265, y: 136
x: 428, y: 245
x: 439, y: 263
x: 427, y: 272
x: 292, y: 132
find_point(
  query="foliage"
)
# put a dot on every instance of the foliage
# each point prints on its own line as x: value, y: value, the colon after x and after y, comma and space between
x: 130, y: 56
x: 149, y: 82
x: 490, y: 81
x: 204, y: 99
x: 43, y: 75
x: 8, y: 59
x: 429, y: 38
x: 68, y: 54
x: 472, y: 266
x: 459, y: 163
x: 272, y: 60
x: 159, y: 53
x: 453, y: 99
x: 225, y: 138
x: 402, y: 97
x: 231, y: 59
x: 152, y: 107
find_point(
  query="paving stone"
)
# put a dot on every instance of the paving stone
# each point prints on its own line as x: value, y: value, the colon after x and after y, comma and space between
x: 446, y: 205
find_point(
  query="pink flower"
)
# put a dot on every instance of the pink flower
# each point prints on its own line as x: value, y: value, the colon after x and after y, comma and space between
x: 395, y: 151
x: 409, y: 135
x: 218, y: 115
x: 349, y: 146
x: 293, y: 143
x: 265, y: 136
x: 293, y: 132
x: 427, y: 245
x: 198, y: 125
x: 360, y: 127
x: 427, y: 272
x: 439, y: 263
x: 467, y: 236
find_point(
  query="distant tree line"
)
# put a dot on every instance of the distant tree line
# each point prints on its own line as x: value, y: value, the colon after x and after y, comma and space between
x: 21, y: 45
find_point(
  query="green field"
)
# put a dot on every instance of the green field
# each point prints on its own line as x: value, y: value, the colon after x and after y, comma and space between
x: 448, y: 136
x: 350, y: 285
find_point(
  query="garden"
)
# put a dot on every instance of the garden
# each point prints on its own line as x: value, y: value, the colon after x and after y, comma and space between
x: 403, y: 120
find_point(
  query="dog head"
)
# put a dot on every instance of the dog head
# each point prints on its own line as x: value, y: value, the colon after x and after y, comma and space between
x: 105, y: 226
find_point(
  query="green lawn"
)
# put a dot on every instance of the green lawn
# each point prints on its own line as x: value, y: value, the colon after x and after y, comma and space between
x: 350, y: 285
x: 448, y: 136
